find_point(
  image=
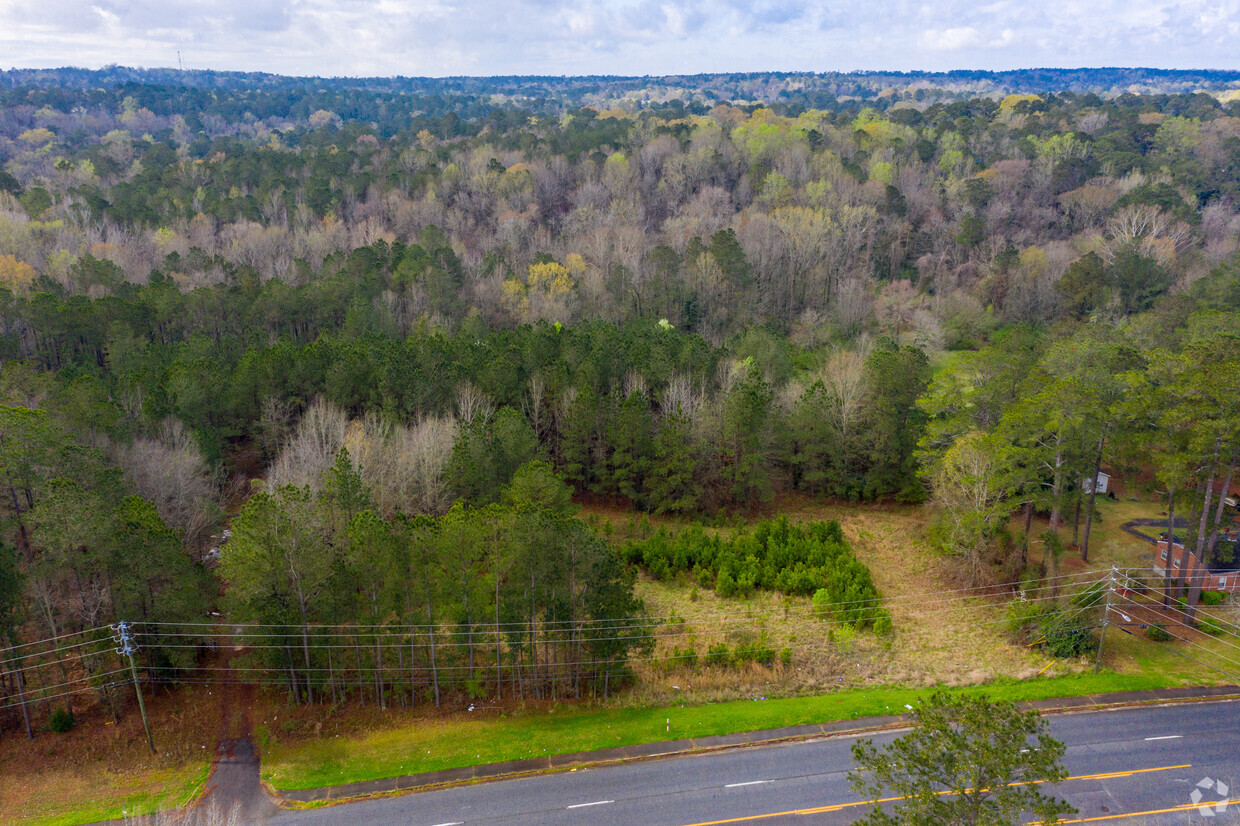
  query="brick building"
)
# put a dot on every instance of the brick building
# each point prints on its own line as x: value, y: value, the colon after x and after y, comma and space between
x: 1226, y: 580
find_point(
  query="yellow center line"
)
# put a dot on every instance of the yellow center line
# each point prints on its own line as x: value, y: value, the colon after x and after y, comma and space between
x: 1187, y: 807
x: 836, y: 807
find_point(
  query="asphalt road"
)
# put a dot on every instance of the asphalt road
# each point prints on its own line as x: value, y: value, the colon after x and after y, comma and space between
x: 1146, y: 760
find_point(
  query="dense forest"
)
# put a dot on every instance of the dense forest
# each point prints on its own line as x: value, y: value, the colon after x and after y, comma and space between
x: 396, y: 327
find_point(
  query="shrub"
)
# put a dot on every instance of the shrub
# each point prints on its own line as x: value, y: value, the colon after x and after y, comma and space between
x: 755, y: 652
x: 1024, y: 612
x: 1158, y: 633
x: 1213, y: 598
x: 823, y: 605
x: 1090, y: 597
x: 1211, y: 626
x: 61, y: 720
x: 683, y: 659
x: 718, y: 655
x: 785, y: 656
x: 1066, y: 636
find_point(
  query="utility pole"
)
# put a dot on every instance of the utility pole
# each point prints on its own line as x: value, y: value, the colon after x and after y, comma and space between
x: 1106, y: 619
x: 126, y: 648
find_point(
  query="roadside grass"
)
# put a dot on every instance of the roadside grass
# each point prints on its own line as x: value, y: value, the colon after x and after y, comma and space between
x: 101, y: 770
x: 465, y: 740
x: 90, y: 797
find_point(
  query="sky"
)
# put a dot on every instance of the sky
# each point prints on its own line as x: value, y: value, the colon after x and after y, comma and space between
x: 626, y: 37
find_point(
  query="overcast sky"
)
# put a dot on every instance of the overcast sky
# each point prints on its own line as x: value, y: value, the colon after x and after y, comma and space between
x: 557, y: 37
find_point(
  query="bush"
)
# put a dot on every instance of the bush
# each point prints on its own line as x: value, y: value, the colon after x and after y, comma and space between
x: 1090, y: 597
x: 718, y: 655
x: 785, y: 656
x: 1213, y: 598
x: 1211, y: 626
x: 61, y: 720
x: 823, y: 606
x: 1066, y: 636
x: 755, y: 652
x: 687, y: 658
x: 1023, y: 612
x: 1158, y: 633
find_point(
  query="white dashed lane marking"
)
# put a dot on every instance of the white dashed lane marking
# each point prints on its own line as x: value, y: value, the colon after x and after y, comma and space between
x: 595, y: 803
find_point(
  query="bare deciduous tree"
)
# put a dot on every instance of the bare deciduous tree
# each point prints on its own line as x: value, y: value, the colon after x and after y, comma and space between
x: 170, y: 470
x: 472, y: 403
x: 312, y: 448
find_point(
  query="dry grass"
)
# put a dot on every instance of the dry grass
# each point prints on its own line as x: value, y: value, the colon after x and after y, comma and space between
x: 954, y: 643
x: 101, y: 769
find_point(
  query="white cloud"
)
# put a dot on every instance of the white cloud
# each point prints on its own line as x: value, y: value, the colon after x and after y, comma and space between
x: 946, y: 40
x: 108, y: 17
x: 440, y: 37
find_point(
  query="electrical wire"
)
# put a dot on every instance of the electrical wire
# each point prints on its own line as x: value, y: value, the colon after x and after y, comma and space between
x: 1218, y: 640
x: 1180, y: 653
x: 385, y: 631
x: 350, y: 629
x: 1174, y: 607
x: 951, y: 601
x: 58, y: 650
x: 424, y: 668
x: 372, y: 633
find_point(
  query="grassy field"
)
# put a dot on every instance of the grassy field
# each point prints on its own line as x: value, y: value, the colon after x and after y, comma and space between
x: 101, y: 770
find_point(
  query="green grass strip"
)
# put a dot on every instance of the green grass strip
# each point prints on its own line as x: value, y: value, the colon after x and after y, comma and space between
x: 468, y: 741
x: 170, y: 789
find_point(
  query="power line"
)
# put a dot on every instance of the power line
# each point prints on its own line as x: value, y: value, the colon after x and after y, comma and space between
x: 489, y: 667
x: 750, y: 613
x: 102, y: 642
x: 366, y: 635
x: 948, y: 602
x: 1164, y: 608
x: 391, y: 637
x: 100, y: 629
x: 1175, y: 607
x: 1182, y: 654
